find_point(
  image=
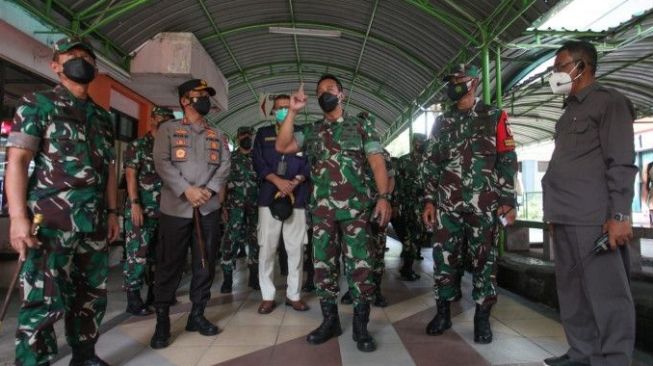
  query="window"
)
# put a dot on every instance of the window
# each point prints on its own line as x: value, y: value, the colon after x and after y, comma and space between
x: 125, y: 127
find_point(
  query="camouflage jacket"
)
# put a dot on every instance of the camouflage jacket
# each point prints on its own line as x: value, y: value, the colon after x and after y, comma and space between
x: 139, y: 157
x: 409, y: 187
x: 72, y: 141
x: 470, y: 163
x: 338, y: 153
x: 242, y: 186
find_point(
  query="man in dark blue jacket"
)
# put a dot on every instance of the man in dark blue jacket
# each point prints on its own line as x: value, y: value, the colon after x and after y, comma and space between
x: 281, y: 175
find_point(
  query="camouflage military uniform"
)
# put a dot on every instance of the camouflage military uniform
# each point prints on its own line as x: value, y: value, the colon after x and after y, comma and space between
x: 242, y: 208
x: 341, y: 203
x: 73, y: 145
x: 408, y: 194
x: 140, y: 240
x: 468, y: 174
x: 380, y: 236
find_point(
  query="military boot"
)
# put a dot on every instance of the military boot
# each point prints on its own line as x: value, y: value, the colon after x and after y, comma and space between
x: 198, y: 323
x: 406, y: 272
x: 330, y: 326
x: 227, y: 282
x: 84, y: 355
x: 364, y: 341
x: 161, y: 337
x: 379, y: 299
x: 253, y: 277
x: 346, y: 298
x: 442, y: 320
x: 482, y: 330
x: 135, y: 305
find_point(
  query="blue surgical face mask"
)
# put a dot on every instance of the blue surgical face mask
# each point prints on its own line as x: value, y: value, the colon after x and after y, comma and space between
x: 281, y: 114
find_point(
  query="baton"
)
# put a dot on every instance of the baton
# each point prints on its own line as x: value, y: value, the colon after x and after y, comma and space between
x: 36, y: 224
x: 198, y: 233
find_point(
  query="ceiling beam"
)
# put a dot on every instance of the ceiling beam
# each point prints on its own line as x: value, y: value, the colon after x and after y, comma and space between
x: 219, y: 34
x: 386, y: 44
x: 352, y: 85
x: 396, y: 93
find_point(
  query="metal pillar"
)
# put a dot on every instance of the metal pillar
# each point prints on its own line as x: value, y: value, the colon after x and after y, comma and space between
x: 485, y: 65
x: 499, y: 81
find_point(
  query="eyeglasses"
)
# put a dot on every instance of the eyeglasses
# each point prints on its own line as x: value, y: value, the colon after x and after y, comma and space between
x: 559, y: 68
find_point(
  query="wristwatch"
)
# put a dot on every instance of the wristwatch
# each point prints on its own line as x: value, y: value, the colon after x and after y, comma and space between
x: 136, y: 201
x: 620, y: 217
x: 385, y: 196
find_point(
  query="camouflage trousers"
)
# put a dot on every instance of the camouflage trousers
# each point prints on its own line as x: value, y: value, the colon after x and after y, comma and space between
x: 140, y: 243
x: 352, y: 238
x: 239, y: 230
x: 378, y: 254
x: 65, y: 277
x: 459, y: 235
x: 409, y: 232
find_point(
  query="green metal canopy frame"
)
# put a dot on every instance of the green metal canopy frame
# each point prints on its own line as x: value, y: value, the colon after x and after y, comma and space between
x: 481, y: 36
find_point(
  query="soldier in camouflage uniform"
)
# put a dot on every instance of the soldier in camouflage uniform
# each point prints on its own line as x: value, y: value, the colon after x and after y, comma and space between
x: 141, y: 214
x: 342, y: 206
x: 408, y: 193
x: 241, y: 212
x: 379, y: 234
x: 468, y: 171
x: 73, y: 186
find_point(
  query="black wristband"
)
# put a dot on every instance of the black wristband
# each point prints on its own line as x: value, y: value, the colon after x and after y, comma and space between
x: 112, y: 211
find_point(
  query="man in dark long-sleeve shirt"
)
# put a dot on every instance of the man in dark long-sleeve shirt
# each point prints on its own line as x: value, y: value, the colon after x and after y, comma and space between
x: 283, y: 174
x: 588, y: 190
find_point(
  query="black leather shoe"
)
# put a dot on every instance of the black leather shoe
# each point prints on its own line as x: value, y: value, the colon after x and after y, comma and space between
x: 441, y: 321
x: 563, y: 360
x: 84, y: 355
x: 161, y: 337
x: 198, y: 323
x: 379, y: 300
x: 135, y: 305
x: 330, y: 326
x: 406, y: 272
x: 364, y: 341
x: 482, y: 329
x: 346, y: 299
x: 227, y: 283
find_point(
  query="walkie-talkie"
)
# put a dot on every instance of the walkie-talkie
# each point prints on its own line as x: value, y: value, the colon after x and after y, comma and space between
x: 601, y: 245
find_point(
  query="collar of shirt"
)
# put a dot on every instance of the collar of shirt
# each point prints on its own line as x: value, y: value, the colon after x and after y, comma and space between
x: 65, y: 94
x: 339, y: 120
x: 197, y: 126
x: 581, y: 95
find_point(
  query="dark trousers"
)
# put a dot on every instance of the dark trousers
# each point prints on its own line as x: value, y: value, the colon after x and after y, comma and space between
x: 596, y: 305
x: 176, y: 234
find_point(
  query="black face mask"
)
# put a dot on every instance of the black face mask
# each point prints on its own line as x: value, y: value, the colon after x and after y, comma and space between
x: 79, y: 70
x: 202, y: 105
x: 456, y: 91
x: 328, y: 102
x: 246, y: 143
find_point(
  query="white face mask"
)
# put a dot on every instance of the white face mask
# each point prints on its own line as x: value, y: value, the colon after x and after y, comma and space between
x: 561, y: 82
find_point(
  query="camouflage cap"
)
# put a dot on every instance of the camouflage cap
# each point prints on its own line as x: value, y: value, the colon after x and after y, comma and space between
x: 66, y: 44
x: 243, y: 130
x: 162, y: 111
x: 463, y: 70
x: 195, y: 84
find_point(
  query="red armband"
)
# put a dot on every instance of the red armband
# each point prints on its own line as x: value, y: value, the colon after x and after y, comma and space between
x: 505, y: 141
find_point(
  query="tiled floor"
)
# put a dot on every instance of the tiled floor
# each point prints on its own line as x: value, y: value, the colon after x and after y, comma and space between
x: 524, y: 333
